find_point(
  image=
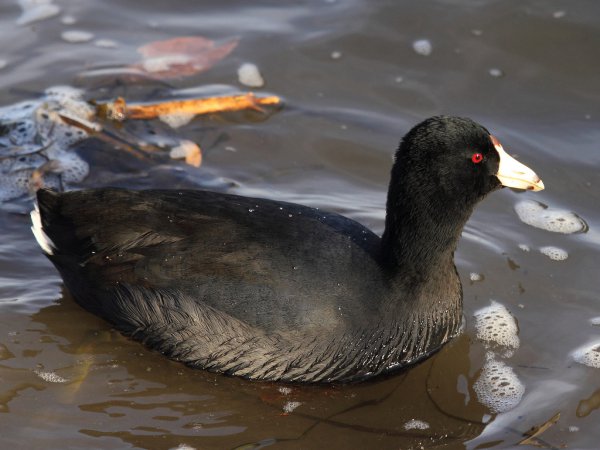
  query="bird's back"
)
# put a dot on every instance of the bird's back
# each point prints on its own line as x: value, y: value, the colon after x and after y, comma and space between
x: 278, y: 267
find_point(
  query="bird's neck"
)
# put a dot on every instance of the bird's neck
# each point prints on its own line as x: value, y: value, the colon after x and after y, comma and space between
x: 421, y: 235
x: 423, y: 308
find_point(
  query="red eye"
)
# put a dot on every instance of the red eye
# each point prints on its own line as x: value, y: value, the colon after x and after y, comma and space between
x: 477, y: 158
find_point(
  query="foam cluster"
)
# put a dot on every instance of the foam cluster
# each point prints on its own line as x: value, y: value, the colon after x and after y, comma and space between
x: 498, y: 387
x: 416, y: 424
x: 36, y: 142
x: 554, y: 253
x: 177, y: 120
x: 249, y: 75
x: 50, y: 377
x: 549, y: 219
x: 474, y: 276
x: 288, y: 407
x: 588, y: 355
x: 496, y: 325
x: 423, y: 47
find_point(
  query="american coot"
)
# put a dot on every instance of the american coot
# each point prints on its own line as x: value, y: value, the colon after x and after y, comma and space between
x: 271, y: 290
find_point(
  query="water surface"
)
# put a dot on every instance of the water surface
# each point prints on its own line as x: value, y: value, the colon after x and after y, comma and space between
x: 352, y: 85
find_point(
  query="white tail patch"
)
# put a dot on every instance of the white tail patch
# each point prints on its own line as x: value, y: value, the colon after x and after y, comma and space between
x: 38, y: 231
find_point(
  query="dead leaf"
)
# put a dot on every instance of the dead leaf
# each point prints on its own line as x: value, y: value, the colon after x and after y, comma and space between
x: 181, y: 56
x: 188, y: 150
x: 588, y: 405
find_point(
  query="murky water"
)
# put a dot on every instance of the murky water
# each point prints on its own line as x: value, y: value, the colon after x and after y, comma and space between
x: 352, y: 84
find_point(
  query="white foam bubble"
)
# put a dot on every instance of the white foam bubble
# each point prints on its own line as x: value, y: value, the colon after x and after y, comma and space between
x: 73, y: 168
x: 554, y: 253
x: 9, y: 189
x: 525, y: 247
x: 68, y: 20
x: 422, y: 47
x: 498, y: 387
x: 474, y: 276
x: 164, y: 63
x: 290, y: 406
x: 495, y: 72
x: 183, y: 447
x: 76, y: 36
x: 36, y: 135
x: 595, y: 321
x: 549, y: 219
x: 285, y: 390
x: 249, y: 75
x: 588, y: 355
x: 21, y: 162
x: 105, y: 43
x: 177, y: 120
x: 64, y: 92
x: 496, y: 325
x: 50, y: 377
x: 415, y: 424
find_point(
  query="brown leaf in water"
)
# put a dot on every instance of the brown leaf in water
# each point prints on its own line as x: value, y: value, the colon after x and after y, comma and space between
x: 588, y: 405
x: 194, y: 158
x: 188, y: 150
x: 181, y: 56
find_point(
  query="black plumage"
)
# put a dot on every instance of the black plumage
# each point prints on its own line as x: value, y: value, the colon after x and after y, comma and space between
x: 278, y: 291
